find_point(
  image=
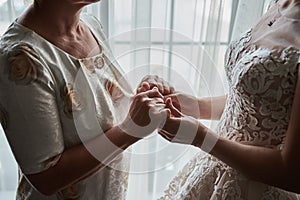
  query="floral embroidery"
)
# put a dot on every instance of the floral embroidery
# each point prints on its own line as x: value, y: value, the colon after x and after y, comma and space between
x: 72, y: 192
x: 72, y: 100
x: 23, y: 63
x: 113, y: 90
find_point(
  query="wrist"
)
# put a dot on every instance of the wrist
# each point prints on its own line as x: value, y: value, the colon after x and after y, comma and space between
x: 128, y: 136
x: 205, y: 139
x: 199, y: 136
x: 203, y: 106
x: 120, y: 138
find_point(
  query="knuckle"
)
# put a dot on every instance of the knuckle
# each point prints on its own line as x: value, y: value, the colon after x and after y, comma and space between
x: 138, y: 97
x: 146, y: 101
x: 159, y: 85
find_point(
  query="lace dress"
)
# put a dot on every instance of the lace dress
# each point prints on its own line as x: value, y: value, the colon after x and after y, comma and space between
x: 257, y: 112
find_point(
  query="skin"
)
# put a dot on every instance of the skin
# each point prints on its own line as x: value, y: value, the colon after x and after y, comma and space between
x: 278, y: 168
x: 77, y: 163
x: 58, y: 22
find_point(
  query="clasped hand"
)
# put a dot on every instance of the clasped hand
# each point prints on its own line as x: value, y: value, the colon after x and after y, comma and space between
x: 152, y: 108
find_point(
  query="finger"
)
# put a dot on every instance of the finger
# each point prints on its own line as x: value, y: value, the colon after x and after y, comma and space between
x: 175, y: 112
x: 172, y: 90
x: 157, y: 100
x: 157, y: 106
x: 152, y: 82
x: 140, y: 90
x: 166, y: 89
x: 165, y: 135
x: 158, y: 116
x: 174, y: 99
x: 146, y: 85
x: 154, y: 93
x: 154, y: 100
x: 147, y: 77
x: 159, y: 112
x: 160, y: 84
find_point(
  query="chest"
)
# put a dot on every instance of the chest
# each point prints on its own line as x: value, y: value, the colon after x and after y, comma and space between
x: 79, y: 48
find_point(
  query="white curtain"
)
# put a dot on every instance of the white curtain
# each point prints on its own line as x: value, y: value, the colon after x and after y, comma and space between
x: 183, y: 41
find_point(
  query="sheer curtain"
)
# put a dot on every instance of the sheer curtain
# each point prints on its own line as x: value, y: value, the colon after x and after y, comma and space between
x: 183, y: 41
x: 185, y: 44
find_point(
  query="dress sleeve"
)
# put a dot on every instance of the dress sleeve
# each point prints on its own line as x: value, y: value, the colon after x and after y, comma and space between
x: 28, y: 109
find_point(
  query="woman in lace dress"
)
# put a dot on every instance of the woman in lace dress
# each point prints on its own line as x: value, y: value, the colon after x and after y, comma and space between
x: 60, y: 91
x: 254, y: 154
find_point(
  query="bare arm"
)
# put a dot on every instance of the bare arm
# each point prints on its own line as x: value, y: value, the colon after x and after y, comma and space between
x: 275, y: 167
x: 278, y: 168
x: 209, y: 108
x: 77, y: 162
x: 212, y: 107
x: 270, y: 166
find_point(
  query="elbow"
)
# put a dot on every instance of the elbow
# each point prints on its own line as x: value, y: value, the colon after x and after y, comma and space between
x: 41, y: 185
x: 44, y: 189
x: 298, y: 189
x: 294, y: 184
x: 291, y: 178
x: 293, y: 187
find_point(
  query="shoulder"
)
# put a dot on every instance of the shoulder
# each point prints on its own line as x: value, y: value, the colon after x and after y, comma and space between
x: 15, y: 34
x: 22, y: 64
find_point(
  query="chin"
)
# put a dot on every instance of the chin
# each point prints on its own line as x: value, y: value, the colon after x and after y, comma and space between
x: 83, y: 1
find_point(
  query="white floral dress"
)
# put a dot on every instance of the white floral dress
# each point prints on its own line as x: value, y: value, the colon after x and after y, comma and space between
x: 261, y: 91
x: 39, y: 102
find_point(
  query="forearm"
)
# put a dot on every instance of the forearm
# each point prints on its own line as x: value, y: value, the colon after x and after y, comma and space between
x: 258, y: 163
x: 77, y: 162
x: 211, y: 108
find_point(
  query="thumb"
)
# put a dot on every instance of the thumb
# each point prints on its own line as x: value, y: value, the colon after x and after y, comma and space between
x: 174, y: 111
x: 154, y: 93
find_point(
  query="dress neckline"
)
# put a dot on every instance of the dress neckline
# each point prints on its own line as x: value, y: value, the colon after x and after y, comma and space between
x: 61, y: 50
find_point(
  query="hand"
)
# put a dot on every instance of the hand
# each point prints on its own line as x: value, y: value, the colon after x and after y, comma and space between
x: 146, y: 113
x: 183, y: 129
x: 150, y: 81
x: 180, y: 128
x: 186, y: 104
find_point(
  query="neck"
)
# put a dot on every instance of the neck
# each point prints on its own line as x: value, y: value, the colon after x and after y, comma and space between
x: 290, y: 8
x: 61, y: 17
